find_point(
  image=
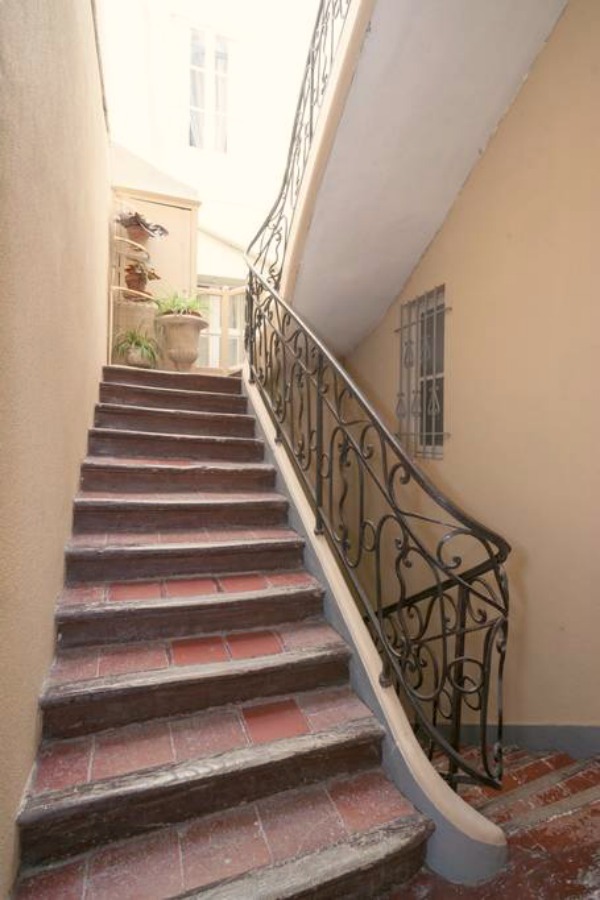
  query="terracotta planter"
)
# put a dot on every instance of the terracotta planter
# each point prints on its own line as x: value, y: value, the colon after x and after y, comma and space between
x: 136, y: 281
x: 179, y: 338
x: 138, y: 234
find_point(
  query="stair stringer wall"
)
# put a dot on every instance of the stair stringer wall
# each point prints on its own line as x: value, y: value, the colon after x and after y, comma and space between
x: 465, y: 847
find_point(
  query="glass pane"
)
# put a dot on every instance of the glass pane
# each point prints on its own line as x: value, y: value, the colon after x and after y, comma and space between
x: 203, y: 350
x: 234, y: 351
x: 236, y: 313
x: 197, y: 50
x: 220, y: 94
x: 196, y: 88
x: 221, y: 56
x: 196, y: 128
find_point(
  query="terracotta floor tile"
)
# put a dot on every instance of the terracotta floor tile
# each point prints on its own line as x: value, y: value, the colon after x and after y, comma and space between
x: 233, y: 584
x: 223, y: 846
x: 325, y: 709
x: 248, y: 644
x: 274, y: 721
x: 139, y: 746
x: 135, y: 590
x: 94, y: 593
x: 199, y: 651
x: 367, y: 801
x: 122, y: 660
x: 208, y: 733
x: 579, y: 828
x: 61, y: 764
x: 300, y: 823
x: 303, y: 635
x: 289, y: 579
x: 64, y: 883
x: 75, y: 665
x: 532, y: 770
x: 190, y: 587
x: 145, y: 869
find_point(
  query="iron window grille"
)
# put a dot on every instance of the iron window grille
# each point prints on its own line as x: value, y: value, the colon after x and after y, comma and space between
x: 420, y: 407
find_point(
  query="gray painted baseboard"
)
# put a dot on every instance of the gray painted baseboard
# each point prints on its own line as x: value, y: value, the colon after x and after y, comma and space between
x: 580, y: 741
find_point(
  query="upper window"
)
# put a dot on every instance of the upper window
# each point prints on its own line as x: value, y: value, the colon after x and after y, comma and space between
x: 420, y: 408
x: 209, y: 63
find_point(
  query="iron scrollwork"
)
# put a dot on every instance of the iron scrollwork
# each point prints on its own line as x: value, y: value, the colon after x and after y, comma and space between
x: 428, y: 578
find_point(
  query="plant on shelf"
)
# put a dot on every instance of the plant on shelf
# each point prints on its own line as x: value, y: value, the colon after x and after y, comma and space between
x: 138, y: 228
x: 137, y: 349
x: 137, y: 275
x: 180, y: 321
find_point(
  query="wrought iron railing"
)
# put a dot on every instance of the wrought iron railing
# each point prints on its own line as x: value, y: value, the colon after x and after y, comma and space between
x: 428, y: 578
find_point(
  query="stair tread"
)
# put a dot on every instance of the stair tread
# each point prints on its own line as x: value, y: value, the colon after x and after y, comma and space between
x: 63, y: 764
x: 209, y: 589
x: 176, y: 498
x: 171, y: 392
x: 288, y: 825
x: 95, y: 662
x: 169, y: 412
x: 203, y: 537
x: 557, y: 785
x: 162, y: 462
x: 115, y: 374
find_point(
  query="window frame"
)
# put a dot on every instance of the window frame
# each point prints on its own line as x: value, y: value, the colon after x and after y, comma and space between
x: 420, y: 411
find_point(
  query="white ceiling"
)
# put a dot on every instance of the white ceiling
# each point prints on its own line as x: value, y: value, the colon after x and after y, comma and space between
x: 433, y: 81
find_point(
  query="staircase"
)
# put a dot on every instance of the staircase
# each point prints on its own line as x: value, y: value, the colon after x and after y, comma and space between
x: 200, y: 736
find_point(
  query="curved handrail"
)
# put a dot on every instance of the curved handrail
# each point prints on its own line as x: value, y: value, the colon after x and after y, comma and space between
x: 432, y: 590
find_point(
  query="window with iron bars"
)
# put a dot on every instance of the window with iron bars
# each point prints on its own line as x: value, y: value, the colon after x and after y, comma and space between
x: 420, y: 408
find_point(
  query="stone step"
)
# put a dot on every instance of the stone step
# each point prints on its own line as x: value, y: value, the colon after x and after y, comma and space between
x: 134, y: 475
x: 118, y: 442
x: 351, y: 836
x: 221, y: 384
x: 62, y: 823
x: 183, y: 512
x: 130, y: 557
x: 169, y: 421
x: 120, y: 613
x: 542, y: 792
x: 171, y: 398
x: 88, y: 704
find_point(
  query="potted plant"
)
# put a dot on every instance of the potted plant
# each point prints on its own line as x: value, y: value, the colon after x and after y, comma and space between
x: 137, y: 275
x: 137, y: 349
x: 138, y: 228
x: 180, y: 322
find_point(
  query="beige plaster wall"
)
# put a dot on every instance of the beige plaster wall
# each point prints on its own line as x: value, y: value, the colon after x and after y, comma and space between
x: 517, y: 254
x: 53, y: 293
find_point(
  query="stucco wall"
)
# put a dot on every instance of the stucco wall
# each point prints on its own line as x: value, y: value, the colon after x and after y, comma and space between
x: 517, y: 254
x: 53, y: 273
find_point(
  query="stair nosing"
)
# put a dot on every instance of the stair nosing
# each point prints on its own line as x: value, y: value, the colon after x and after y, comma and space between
x: 291, y: 878
x: 129, y: 500
x: 140, y: 462
x: 181, y: 392
x: 131, y: 409
x: 170, y: 547
x: 231, y: 762
x: 99, y: 609
x: 133, y: 682
x: 531, y: 788
x: 566, y: 805
x: 103, y: 431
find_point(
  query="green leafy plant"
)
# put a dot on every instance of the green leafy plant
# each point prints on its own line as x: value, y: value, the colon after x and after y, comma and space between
x: 135, y: 340
x: 178, y: 305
